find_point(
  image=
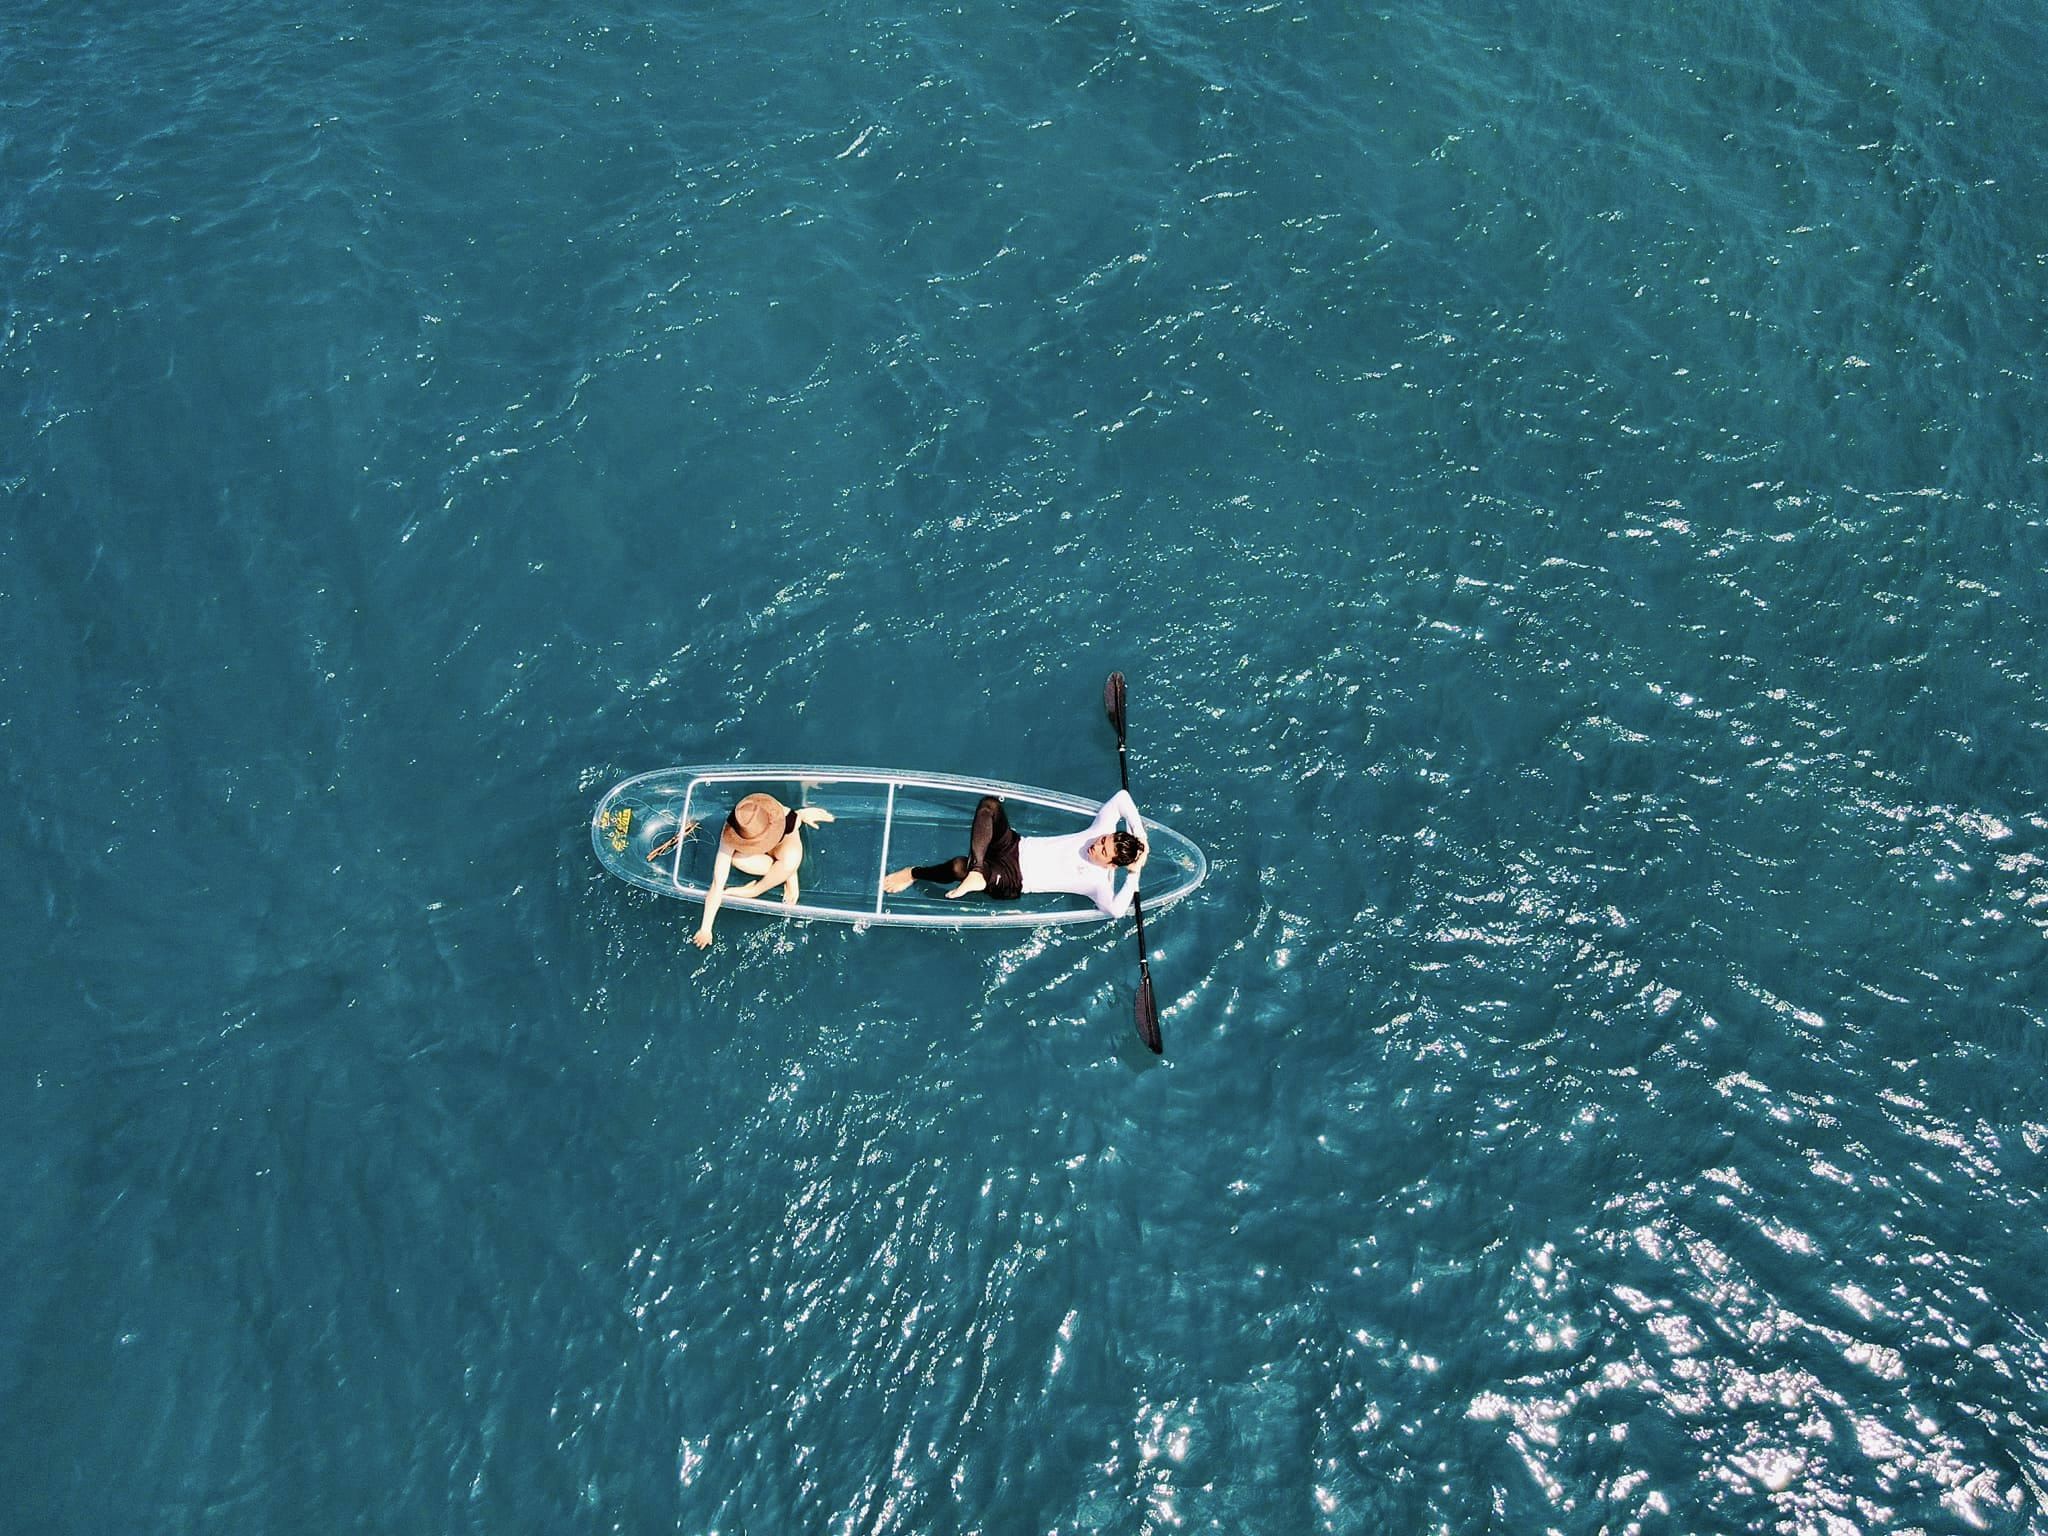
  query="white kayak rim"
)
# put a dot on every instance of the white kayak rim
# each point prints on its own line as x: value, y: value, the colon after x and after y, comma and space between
x: 883, y: 820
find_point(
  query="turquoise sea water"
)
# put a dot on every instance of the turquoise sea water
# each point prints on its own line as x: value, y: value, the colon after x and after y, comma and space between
x: 1566, y: 485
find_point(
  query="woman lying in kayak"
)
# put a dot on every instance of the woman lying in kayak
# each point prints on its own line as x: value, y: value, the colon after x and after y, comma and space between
x: 1008, y: 866
x: 761, y: 837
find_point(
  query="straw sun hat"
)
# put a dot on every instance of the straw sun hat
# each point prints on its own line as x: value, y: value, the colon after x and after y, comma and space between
x: 757, y: 824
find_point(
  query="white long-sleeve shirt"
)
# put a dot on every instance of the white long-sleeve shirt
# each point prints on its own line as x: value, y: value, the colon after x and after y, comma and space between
x: 1062, y: 863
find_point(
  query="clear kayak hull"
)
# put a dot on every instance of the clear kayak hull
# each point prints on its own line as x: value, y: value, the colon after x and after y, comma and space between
x: 883, y: 820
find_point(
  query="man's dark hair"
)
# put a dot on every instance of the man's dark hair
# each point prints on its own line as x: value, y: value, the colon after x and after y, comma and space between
x: 1126, y: 848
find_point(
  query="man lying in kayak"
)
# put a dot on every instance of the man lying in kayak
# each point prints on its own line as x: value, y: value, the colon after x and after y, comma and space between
x: 1008, y: 866
x: 761, y: 837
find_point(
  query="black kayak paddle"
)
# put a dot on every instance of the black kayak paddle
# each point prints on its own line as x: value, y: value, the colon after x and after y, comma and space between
x: 1148, y: 1011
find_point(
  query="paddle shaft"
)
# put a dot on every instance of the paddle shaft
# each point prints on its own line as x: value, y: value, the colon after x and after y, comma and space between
x: 1123, y: 768
x: 1148, y: 1011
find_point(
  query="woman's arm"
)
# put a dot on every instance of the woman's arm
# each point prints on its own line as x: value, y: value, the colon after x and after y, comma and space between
x: 721, y: 871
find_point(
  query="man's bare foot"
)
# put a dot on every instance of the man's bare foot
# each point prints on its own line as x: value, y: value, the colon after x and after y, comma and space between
x: 897, y: 881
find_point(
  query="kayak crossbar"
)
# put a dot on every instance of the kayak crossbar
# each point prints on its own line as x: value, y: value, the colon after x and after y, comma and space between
x: 882, y: 874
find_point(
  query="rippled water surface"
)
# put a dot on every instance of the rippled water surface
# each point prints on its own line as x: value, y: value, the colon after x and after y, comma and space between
x: 1566, y: 484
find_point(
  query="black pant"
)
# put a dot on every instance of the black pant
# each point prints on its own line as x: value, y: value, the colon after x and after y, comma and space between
x: 991, y: 851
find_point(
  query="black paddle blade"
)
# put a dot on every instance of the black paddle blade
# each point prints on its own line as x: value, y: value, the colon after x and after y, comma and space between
x: 1113, y: 701
x: 1148, y: 1017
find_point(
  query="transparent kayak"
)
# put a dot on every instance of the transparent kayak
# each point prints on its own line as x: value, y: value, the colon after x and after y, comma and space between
x: 882, y: 821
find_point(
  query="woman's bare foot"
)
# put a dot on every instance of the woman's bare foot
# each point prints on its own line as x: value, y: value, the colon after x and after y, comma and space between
x: 897, y: 881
